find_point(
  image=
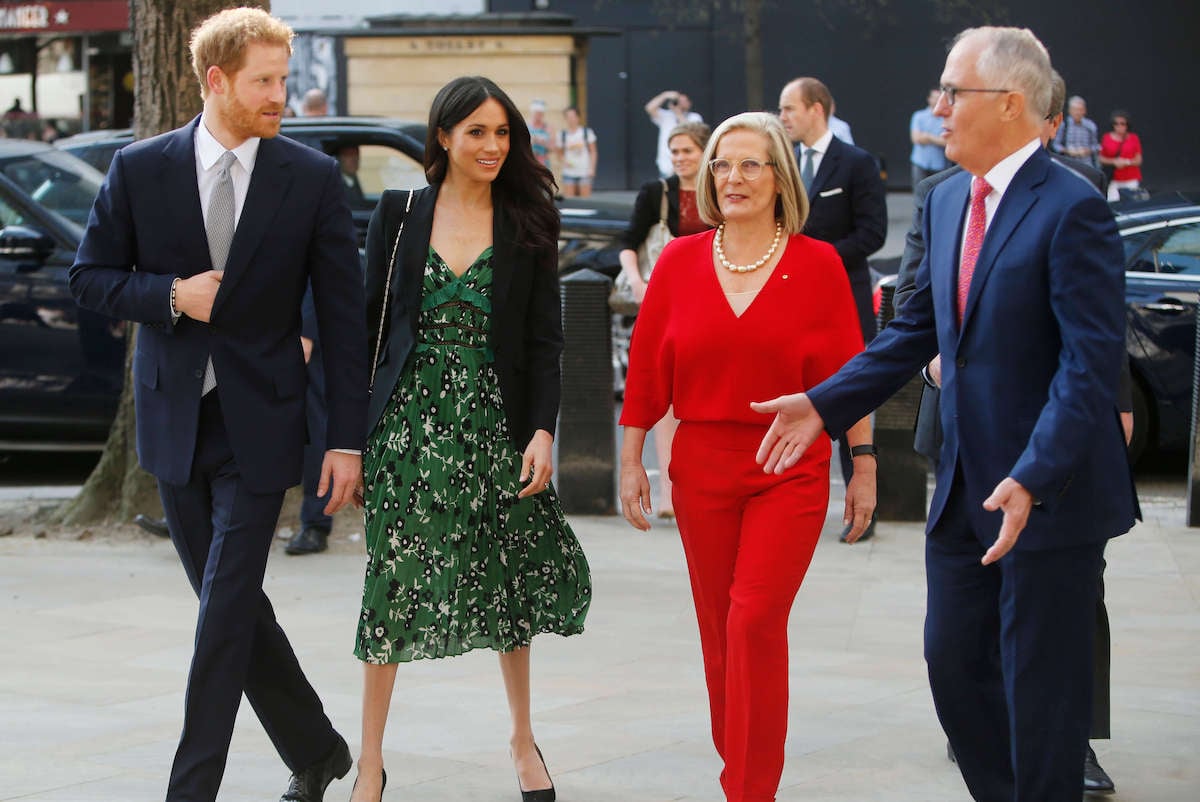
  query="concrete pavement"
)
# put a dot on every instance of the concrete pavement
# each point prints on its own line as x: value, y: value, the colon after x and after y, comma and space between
x: 97, y: 636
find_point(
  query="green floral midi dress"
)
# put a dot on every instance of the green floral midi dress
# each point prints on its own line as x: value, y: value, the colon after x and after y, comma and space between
x: 455, y: 561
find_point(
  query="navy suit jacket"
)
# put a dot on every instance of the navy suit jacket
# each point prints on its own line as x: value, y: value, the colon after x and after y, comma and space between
x: 1029, y: 379
x: 147, y: 228
x: 526, y: 333
x: 848, y: 209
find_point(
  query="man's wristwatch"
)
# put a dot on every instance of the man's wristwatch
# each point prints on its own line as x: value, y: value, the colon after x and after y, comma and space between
x: 864, y: 450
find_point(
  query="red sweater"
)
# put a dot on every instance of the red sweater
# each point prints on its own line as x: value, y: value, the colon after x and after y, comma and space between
x: 1126, y: 148
x: 690, y: 351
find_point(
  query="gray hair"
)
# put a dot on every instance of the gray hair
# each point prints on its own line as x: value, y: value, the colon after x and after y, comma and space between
x: 1058, y: 94
x: 1013, y: 58
x: 791, y: 207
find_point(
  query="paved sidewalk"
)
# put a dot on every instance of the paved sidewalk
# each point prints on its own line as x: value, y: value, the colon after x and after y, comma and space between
x: 97, y: 636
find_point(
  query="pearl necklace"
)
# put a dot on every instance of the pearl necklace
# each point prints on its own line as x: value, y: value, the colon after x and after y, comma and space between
x: 719, y: 242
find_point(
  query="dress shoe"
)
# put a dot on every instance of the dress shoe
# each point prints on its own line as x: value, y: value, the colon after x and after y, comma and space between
x: 309, y: 785
x: 867, y: 534
x: 308, y: 540
x: 155, y: 526
x: 541, y: 795
x: 382, y: 785
x: 1095, y: 779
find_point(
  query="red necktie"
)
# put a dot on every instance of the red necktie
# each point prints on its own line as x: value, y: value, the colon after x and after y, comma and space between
x: 976, y: 226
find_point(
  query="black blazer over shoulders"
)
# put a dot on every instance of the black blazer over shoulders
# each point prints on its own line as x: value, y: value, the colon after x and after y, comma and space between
x: 646, y: 210
x: 526, y: 322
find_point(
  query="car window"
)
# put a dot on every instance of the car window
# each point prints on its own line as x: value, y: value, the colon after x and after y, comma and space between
x: 383, y: 167
x: 1180, y: 250
x: 9, y: 216
x: 57, y: 181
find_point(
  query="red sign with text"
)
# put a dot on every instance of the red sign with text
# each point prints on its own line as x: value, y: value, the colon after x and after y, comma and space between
x: 61, y: 17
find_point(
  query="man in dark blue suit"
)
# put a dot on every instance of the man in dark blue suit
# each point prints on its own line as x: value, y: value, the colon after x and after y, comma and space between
x: 1021, y: 293
x: 208, y: 236
x: 927, y: 432
x: 847, y: 208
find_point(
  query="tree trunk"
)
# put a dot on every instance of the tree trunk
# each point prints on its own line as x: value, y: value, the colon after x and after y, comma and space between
x: 166, y: 96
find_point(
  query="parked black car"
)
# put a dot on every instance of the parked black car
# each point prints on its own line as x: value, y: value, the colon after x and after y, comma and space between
x: 60, y: 366
x: 1162, y: 286
x: 1161, y: 237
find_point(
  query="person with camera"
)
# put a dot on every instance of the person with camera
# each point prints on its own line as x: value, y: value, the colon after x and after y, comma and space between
x: 668, y: 109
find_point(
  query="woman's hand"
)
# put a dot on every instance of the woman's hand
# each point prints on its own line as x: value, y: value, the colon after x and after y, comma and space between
x: 860, y: 497
x: 638, y: 288
x: 635, y: 495
x: 536, y: 464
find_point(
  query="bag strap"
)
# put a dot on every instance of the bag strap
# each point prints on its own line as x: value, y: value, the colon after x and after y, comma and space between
x: 662, y: 212
x: 387, y: 286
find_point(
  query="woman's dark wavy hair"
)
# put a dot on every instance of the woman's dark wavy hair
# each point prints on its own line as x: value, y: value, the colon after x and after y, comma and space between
x: 524, y: 188
x: 1121, y: 114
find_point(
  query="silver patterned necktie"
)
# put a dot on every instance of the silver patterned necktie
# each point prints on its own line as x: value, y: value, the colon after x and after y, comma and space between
x: 219, y: 226
x: 806, y: 171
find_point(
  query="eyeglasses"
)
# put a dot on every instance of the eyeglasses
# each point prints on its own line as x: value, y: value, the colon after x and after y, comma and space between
x: 750, y: 169
x: 949, y: 92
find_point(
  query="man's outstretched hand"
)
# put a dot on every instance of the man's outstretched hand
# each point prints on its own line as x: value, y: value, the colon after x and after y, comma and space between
x: 1016, y: 502
x: 796, y: 427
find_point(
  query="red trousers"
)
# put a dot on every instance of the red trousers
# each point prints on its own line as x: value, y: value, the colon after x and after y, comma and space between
x: 749, y: 539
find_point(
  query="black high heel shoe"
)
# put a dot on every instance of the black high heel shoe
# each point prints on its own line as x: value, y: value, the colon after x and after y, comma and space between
x: 543, y: 794
x: 382, y: 786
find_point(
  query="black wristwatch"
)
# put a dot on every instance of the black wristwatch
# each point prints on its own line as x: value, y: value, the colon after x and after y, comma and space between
x: 864, y: 450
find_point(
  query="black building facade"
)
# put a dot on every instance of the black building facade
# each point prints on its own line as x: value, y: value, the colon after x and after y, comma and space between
x: 880, y: 59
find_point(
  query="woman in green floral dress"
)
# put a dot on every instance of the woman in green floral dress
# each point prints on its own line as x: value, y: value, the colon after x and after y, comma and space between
x: 467, y: 544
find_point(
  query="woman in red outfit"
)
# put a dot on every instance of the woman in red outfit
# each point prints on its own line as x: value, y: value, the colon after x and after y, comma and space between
x: 1121, y: 150
x: 731, y: 314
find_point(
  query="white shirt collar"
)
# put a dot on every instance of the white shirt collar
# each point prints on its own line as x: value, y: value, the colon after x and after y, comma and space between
x: 1002, y: 174
x: 822, y: 144
x: 209, y: 150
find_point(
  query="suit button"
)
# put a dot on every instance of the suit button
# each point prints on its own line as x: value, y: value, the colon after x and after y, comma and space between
x: 960, y: 362
x: 199, y: 374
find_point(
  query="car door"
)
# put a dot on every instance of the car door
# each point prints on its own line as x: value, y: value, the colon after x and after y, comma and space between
x: 1162, y: 286
x: 60, y: 366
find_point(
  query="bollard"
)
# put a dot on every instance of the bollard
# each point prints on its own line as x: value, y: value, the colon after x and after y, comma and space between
x: 587, y: 446
x: 1193, y: 494
x: 901, y: 475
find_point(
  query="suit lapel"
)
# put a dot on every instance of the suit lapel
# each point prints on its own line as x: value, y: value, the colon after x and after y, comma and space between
x: 181, y: 193
x: 1018, y: 199
x: 268, y: 186
x: 414, y: 248
x: 946, y: 238
x: 829, y: 162
x: 503, y: 260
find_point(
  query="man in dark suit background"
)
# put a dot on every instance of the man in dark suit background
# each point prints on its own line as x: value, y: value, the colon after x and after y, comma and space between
x: 927, y: 432
x: 847, y: 206
x: 208, y: 236
x: 1021, y: 292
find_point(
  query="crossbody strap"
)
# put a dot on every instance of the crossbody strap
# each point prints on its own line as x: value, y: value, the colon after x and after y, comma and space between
x: 662, y: 212
x: 387, y: 287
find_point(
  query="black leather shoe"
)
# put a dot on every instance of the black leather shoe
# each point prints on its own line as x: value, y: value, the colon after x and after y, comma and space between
x: 867, y: 534
x: 155, y: 526
x: 543, y: 794
x: 308, y: 540
x: 309, y: 785
x: 1095, y: 779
